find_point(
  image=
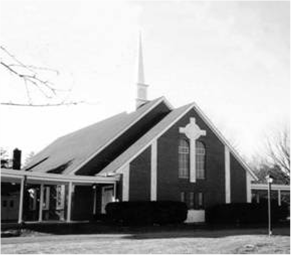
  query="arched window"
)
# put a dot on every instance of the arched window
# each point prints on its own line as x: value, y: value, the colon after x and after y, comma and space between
x: 184, y: 151
x: 200, y: 160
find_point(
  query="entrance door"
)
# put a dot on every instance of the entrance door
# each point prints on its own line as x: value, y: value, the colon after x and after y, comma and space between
x: 107, y: 197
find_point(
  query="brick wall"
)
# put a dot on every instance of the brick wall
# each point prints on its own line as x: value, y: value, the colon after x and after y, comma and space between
x: 238, y: 181
x: 169, y: 183
x: 140, y: 177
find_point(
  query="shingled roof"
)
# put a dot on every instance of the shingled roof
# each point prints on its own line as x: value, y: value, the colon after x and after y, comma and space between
x: 69, y: 152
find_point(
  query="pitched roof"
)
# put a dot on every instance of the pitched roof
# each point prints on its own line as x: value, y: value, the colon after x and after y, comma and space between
x: 160, y: 129
x: 146, y: 140
x: 70, y: 152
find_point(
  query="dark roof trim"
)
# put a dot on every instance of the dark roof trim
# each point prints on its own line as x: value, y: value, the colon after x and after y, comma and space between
x: 160, y: 100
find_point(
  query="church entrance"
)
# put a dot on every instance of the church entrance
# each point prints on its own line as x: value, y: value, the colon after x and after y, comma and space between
x: 107, y: 197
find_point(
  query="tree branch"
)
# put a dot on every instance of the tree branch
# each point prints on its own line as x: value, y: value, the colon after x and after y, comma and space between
x: 31, y: 79
x: 279, y: 150
x: 42, y: 105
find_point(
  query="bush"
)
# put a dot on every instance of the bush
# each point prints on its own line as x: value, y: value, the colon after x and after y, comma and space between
x: 144, y: 213
x: 100, y: 217
x: 246, y: 213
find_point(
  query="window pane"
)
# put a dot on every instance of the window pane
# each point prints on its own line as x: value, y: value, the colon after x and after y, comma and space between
x: 183, y: 158
x: 182, y: 196
x: 46, y: 198
x: 191, y: 200
x: 200, y: 160
x: 199, y: 200
x: 60, y: 199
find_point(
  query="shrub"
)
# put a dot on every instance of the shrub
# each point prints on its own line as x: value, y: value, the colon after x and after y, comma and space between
x: 246, y: 213
x: 143, y: 213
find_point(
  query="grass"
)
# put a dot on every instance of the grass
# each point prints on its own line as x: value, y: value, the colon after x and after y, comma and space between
x: 154, y: 241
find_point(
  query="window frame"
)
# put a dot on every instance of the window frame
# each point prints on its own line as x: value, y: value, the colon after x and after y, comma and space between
x: 198, y: 158
x: 183, y: 196
x: 60, y: 197
x: 46, y: 198
x: 191, y: 204
x: 199, y: 201
x: 184, y: 158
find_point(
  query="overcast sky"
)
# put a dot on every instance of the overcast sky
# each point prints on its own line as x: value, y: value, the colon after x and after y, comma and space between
x: 231, y: 58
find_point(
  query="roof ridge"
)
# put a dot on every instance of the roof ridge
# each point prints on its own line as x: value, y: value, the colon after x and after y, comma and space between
x: 155, y: 103
x: 184, y: 109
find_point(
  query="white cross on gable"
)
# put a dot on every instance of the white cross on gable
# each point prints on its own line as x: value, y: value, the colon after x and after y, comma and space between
x: 193, y: 132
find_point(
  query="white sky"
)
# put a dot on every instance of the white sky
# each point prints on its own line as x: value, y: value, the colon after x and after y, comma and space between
x: 231, y: 58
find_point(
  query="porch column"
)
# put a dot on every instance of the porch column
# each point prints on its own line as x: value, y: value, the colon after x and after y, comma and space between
x: 94, y: 197
x: 69, y: 209
x: 125, y: 183
x: 154, y: 163
x: 249, y: 189
x: 279, y: 197
x: 20, y: 212
x: 114, y: 191
x: 40, y: 202
x: 227, y: 175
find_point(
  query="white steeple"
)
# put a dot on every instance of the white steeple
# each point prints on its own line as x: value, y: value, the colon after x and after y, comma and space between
x: 141, y: 86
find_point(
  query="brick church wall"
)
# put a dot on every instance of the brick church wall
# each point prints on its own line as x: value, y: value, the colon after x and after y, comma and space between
x: 238, y: 182
x: 170, y: 186
x: 140, y: 177
x: 169, y: 183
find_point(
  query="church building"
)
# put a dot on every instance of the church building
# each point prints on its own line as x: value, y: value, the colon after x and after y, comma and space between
x: 156, y: 153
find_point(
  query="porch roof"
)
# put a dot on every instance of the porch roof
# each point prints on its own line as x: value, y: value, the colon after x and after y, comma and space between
x: 264, y: 186
x: 16, y: 175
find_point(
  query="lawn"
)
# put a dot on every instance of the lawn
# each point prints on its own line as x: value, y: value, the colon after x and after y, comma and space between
x: 182, y: 241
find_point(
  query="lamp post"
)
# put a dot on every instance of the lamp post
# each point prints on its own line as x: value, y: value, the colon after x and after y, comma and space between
x: 269, y: 180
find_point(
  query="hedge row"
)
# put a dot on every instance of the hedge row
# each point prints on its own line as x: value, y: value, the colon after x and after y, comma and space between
x: 143, y: 213
x: 246, y: 213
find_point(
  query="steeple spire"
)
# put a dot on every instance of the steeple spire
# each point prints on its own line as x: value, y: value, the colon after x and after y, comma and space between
x: 141, y: 86
x: 140, y: 63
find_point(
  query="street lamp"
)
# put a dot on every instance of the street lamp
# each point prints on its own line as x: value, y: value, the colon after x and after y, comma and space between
x: 269, y: 180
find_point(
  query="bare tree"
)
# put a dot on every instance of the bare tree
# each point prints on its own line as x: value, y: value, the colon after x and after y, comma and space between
x: 278, y: 149
x: 33, y: 81
x: 29, y: 158
x: 4, y: 158
x: 263, y: 169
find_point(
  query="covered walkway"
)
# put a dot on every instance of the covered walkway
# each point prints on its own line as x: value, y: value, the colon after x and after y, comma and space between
x: 50, y: 196
x: 278, y: 192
